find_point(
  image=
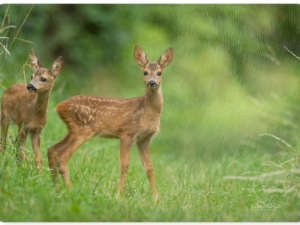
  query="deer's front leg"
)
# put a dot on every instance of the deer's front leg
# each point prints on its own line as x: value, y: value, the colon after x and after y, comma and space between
x: 35, y: 142
x: 144, y: 151
x: 21, y: 139
x: 125, y: 145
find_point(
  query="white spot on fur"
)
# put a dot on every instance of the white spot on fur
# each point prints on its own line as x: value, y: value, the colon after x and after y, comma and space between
x: 82, y: 109
x: 85, y: 109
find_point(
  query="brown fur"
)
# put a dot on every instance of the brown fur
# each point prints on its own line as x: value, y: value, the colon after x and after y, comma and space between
x: 152, y: 66
x: 130, y: 120
x: 29, y: 110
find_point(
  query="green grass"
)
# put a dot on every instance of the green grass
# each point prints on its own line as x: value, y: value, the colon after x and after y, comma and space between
x: 189, y: 190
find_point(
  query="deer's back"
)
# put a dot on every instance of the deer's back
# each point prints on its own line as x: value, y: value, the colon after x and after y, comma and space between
x: 105, y: 117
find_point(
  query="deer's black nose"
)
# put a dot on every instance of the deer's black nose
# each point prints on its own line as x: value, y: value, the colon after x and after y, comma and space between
x: 152, y: 84
x: 30, y: 87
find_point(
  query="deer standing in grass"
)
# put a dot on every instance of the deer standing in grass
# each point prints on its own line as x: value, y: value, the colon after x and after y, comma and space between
x: 130, y: 120
x: 26, y: 106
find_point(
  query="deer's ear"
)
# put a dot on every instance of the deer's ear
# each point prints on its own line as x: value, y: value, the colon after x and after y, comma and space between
x: 56, y: 67
x: 35, y: 63
x: 166, y: 58
x: 140, y: 56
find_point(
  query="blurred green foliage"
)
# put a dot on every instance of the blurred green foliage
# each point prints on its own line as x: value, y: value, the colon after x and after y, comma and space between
x: 230, y: 79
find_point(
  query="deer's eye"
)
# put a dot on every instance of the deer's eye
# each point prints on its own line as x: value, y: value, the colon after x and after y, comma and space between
x: 159, y: 74
x: 43, y: 79
x: 145, y: 73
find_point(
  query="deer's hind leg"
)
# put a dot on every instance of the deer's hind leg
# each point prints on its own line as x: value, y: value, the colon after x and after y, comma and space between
x: 4, y: 130
x: 64, y: 150
x: 52, y: 158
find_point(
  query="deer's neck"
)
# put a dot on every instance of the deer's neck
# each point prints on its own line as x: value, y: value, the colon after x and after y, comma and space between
x: 41, y: 103
x: 154, y: 100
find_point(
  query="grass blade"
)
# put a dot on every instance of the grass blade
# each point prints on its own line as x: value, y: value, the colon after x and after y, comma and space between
x: 4, y: 18
x: 25, y: 41
x: 5, y: 28
x: 287, y: 144
x: 5, y: 48
x: 22, y: 24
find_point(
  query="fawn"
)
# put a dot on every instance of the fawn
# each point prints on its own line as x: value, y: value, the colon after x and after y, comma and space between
x: 26, y: 106
x: 130, y: 120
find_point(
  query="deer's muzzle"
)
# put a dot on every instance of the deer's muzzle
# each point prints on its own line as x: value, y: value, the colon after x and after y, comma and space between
x: 31, y: 88
x: 152, y: 84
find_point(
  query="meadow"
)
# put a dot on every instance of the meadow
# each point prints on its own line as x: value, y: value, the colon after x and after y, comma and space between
x: 227, y: 149
x: 195, y: 191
